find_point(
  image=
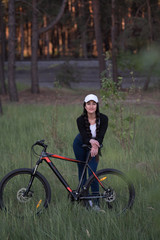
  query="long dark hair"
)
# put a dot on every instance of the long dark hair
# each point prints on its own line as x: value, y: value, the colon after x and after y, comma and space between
x: 87, y: 125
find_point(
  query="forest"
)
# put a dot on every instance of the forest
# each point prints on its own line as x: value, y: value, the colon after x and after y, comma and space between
x: 135, y: 25
x: 77, y: 29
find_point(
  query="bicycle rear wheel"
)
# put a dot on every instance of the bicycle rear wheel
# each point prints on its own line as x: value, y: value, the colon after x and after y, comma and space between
x: 116, y: 193
x: 12, y: 193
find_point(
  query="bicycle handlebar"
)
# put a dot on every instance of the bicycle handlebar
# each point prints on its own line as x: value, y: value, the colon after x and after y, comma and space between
x: 42, y: 144
x: 39, y: 143
x: 89, y: 146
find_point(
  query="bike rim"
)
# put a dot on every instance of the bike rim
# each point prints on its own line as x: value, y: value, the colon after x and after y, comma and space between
x: 117, y: 196
x: 14, y: 201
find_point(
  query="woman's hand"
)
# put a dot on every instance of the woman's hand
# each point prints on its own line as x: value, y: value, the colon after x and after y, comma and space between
x: 95, y: 145
x: 94, y: 151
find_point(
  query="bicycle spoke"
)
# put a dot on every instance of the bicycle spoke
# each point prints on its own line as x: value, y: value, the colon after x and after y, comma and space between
x: 116, y: 194
x: 16, y: 201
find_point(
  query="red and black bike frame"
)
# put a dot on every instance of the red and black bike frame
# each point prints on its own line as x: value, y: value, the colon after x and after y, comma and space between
x: 46, y: 157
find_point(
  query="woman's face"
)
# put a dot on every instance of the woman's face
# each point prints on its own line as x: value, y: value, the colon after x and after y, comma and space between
x: 91, y: 107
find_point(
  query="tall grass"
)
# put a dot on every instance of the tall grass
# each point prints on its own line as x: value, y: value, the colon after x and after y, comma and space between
x: 22, y: 125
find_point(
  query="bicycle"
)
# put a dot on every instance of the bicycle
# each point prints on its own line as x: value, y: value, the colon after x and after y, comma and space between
x: 26, y: 191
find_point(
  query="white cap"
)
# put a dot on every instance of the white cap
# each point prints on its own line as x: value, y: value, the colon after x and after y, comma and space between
x: 91, y: 97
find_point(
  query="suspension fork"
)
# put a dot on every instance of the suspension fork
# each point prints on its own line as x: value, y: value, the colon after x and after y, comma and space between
x: 34, y: 170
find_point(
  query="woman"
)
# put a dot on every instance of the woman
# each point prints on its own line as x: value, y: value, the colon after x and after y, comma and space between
x: 92, y: 126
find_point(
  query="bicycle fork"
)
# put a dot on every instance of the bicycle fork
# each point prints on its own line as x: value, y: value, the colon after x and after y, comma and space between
x: 32, y: 178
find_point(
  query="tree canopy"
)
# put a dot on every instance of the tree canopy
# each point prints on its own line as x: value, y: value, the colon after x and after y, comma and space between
x: 137, y: 24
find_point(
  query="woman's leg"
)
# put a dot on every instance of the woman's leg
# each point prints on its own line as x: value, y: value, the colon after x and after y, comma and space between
x: 95, y: 185
x: 80, y: 154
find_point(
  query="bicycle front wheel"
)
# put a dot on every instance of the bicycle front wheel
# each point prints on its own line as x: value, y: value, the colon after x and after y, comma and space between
x: 116, y: 192
x: 13, y: 188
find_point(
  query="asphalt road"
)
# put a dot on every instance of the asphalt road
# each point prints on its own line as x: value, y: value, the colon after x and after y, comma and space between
x: 84, y: 72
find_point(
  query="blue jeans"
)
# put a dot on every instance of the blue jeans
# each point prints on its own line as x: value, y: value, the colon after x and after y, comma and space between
x: 80, y: 154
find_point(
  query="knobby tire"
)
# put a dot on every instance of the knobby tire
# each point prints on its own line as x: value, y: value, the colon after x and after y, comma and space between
x: 122, y: 193
x: 12, y: 188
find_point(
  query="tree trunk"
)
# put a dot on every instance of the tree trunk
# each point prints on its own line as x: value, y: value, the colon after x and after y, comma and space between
x: 35, y: 34
x: 11, y: 52
x: 55, y: 21
x: 3, y: 89
x: 34, y: 64
x: 47, y: 45
x: 22, y: 34
x: 147, y: 82
x: 98, y: 34
x: 1, y: 111
x: 83, y: 31
x: 114, y: 45
x: 149, y: 21
x: 148, y: 79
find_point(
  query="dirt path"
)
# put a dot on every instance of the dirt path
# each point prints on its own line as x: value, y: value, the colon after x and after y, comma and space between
x: 50, y: 96
x: 149, y: 100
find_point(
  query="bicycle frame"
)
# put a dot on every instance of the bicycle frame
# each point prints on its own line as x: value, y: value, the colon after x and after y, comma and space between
x: 74, y: 193
x: 110, y: 188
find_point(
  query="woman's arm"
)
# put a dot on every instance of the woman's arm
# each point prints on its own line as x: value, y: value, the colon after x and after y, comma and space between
x: 95, y: 143
x: 102, y: 128
x: 82, y: 130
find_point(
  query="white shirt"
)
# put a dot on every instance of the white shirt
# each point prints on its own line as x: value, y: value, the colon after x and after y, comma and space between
x: 93, y: 130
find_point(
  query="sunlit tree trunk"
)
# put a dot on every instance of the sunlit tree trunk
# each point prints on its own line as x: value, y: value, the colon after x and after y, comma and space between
x: 3, y: 89
x: 114, y: 45
x: 34, y: 63
x: 98, y: 33
x: 13, y: 94
x: 28, y: 36
x: 47, y: 44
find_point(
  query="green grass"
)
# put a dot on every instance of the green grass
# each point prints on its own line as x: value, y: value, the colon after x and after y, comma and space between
x: 22, y: 125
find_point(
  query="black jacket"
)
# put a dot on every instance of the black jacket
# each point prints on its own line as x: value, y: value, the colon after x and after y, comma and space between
x: 102, y: 128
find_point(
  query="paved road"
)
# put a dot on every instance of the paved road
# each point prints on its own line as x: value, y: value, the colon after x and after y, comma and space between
x: 86, y: 72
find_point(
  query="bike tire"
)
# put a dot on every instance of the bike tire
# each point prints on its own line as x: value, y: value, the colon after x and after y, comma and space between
x: 12, y: 187
x: 119, y: 192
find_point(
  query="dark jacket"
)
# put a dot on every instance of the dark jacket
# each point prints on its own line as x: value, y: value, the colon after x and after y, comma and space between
x: 102, y: 128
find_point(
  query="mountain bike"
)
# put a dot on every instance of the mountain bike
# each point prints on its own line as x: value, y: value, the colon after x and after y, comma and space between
x: 26, y: 191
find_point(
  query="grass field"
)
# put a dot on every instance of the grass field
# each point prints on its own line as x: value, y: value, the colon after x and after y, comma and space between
x: 22, y: 124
